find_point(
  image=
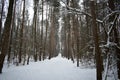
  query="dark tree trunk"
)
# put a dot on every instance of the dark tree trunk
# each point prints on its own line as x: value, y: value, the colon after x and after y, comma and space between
x: 96, y: 42
x: 21, y: 33
x: 42, y: 30
x: 1, y: 18
x: 6, y: 34
x: 11, y: 34
x: 35, y: 28
x: 1, y: 24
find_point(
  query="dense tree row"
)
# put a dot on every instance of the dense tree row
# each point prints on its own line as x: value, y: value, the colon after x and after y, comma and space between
x: 23, y: 38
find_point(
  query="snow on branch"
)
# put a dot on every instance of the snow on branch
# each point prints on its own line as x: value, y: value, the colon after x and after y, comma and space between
x: 80, y: 11
x: 112, y: 26
x: 112, y: 13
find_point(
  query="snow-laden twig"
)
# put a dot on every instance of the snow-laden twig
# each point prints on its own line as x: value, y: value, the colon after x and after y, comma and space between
x: 108, y: 44
x: 112, y: 13
x: 112, y: 25
x: 118, y: 47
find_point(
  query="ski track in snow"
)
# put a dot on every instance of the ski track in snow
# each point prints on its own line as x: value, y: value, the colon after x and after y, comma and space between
x: 57, y: 68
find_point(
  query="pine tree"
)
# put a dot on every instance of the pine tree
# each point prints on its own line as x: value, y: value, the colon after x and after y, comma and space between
x: 6, y: 34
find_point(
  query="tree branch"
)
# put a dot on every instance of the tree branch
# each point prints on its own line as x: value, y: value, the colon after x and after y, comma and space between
x: 80, y: 12
x: 112, y: 26
x: 112, y: 13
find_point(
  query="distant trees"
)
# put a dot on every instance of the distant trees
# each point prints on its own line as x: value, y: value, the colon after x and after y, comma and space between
x: 35, y: 38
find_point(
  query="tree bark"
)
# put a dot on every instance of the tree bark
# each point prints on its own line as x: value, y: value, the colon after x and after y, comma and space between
x: 1, y: 24
x: 21, y: 33
x: 6, y: 34
x: 11, y: 33
x: 96, y: 42
x: 1, y: 18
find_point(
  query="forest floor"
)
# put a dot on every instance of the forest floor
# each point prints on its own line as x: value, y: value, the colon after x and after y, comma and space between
x: 57, y: 68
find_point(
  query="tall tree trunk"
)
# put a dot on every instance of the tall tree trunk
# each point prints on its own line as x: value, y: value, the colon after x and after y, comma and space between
x: 45, y: 42
x: 21, y: 33
x: 65, y: 35
x: 1, y: 23
x: 42, y: 30
x: 52, y: 34
x: 11, y: 33
x: 1, y: 17
x: 117, y: 53
x: 77, y: 32
x: 6, y: 34
x: 35, y: 28
x: 96, y: 42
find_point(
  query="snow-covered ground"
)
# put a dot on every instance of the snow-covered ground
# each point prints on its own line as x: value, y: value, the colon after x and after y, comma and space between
x: 57, y: 68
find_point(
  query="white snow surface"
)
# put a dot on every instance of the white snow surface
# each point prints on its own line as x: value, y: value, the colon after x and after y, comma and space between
x: 57, y: 68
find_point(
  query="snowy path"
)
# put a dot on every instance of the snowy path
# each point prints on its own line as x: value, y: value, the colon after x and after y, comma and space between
x: 55, y: 69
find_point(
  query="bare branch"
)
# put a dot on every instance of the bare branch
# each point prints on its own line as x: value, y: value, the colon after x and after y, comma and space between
x: 112, y: 26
